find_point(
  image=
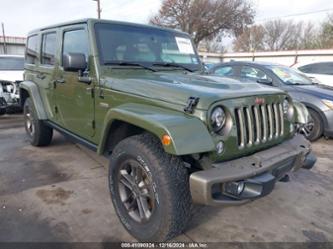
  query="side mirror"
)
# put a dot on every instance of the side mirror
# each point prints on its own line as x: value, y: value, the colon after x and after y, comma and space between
x: 265, y: 81
x: 74, y: 62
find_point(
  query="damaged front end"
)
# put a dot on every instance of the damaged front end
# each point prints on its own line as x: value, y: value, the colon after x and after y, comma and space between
x: 9, y: 97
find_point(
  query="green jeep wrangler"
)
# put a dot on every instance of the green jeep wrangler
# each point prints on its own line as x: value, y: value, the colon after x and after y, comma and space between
x: 174, y: 136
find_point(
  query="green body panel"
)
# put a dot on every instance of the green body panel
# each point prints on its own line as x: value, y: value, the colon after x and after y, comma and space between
x: 162, y: 122
x: 153, y: 101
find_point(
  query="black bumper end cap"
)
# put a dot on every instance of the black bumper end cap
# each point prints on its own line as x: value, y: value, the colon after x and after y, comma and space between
x: 310, y: 161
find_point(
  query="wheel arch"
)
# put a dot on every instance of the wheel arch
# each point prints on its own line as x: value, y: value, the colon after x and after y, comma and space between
x: 30, y: 89
x: 189, y: 135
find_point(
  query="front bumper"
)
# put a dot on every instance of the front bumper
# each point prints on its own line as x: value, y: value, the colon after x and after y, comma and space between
x: 255, y: 174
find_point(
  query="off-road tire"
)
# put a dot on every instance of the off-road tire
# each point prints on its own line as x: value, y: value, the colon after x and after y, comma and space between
x: 41, y: 135
x: 170, y: 180
x: 317, y: 130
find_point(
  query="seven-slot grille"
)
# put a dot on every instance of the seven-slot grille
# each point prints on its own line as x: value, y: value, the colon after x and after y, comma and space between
x: 259, y: 123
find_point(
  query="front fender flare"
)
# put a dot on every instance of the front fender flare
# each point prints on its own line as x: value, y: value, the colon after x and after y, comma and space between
x: 33, y: 91
x: 189, y: 134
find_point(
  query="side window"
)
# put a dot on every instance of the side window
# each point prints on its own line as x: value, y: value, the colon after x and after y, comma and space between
x: 76, y: 41
x: 324, y: 68
x: 32, y: 50
x: 253, y: 73
x: 225, y: 71
x: 48, y: 48
x: 306, y: 69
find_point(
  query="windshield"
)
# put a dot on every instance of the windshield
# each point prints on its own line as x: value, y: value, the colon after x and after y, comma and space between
x: 290, y: 76
x: 121, y: 43
x: 11, y: 63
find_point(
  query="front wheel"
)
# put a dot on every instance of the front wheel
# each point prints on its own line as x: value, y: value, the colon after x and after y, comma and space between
x: 38, y: 133
x: 149, y: 189
x: 315, y: 129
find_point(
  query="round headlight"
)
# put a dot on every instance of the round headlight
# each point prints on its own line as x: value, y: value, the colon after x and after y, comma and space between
x: 218, y: 119
x: 285, y: 106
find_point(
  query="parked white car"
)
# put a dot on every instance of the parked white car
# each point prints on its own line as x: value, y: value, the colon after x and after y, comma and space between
x: 11, y: 74
x: 319, y: 72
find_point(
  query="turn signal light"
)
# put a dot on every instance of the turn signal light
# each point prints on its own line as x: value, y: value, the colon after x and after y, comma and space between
x: 166, y: 140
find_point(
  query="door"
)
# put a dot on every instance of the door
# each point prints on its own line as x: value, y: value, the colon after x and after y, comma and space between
x: 74, y: 98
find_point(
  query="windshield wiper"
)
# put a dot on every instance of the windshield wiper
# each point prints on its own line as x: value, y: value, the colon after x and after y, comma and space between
x: 172, y: 64
x: 120, y: 63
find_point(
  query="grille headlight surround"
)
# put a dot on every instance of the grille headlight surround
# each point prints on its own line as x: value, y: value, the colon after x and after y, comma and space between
x: 218, y: 119
x: 285, y: 106
x: 288, y: 109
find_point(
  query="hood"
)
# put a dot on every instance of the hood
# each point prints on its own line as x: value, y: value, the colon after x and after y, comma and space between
x: 177, y: 87
x: 320, y: 91
x: 11, y: 75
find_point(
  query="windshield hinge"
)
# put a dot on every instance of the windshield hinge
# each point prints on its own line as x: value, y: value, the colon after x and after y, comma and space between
x: 191, y: 104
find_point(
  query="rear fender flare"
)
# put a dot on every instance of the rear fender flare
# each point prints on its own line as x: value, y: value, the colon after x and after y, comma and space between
x: 33, y: 91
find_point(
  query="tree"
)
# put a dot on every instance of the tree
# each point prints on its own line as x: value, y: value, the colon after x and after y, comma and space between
x: 252, y: 39
x: 277, y: 35
x: 325, y: 39
x: 205, y: 19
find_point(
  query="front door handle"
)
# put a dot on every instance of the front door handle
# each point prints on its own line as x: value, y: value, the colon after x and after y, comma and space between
x: 41, y: 76
x: 59, y: 81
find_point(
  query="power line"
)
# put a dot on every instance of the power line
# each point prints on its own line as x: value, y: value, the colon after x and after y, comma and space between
x: 296, y: 14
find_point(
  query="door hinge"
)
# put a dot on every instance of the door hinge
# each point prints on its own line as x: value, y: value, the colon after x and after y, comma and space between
x: 93, y: 124
x: 93, y: 93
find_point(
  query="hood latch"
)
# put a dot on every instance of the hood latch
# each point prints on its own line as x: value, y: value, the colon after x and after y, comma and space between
x: 191, y: 104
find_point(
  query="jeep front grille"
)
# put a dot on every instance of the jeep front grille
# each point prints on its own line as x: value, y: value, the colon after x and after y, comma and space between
x: 259, y: 123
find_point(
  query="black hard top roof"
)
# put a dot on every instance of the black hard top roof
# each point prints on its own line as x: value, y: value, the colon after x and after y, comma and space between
x: 93, y: 20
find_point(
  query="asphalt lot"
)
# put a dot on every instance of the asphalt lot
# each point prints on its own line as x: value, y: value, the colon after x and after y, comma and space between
x: 59, y: 194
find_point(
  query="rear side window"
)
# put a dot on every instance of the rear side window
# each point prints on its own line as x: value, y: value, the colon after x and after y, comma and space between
x: 252, y: 73
x: 32, y: 50
x: 224, y: 71
x: 48, y: 48
x: 76, y: 41
x: 318, y: 68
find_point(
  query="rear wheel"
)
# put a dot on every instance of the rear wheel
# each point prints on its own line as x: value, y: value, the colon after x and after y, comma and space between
x: 2, y: 111
x: 149, y: 189
x: 315, y: 129
x: 38, y: 133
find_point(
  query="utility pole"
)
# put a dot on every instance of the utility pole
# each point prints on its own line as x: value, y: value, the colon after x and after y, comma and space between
x: 4, y: 39
x: 99, y: 10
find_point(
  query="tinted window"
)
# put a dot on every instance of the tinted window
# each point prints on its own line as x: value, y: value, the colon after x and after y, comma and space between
x: 32, y: 50
x: 224, y: 71
x: 253, y: 73
x: 76, y: 41
x: 318, y: 68
x: 126, y: 43
x: 11, y: 63
x: 48, y: 48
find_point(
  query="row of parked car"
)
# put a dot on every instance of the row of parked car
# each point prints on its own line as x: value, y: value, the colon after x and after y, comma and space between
x: 310, y: 84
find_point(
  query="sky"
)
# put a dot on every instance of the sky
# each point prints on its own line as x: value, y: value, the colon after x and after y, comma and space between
x: 21, y: 16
